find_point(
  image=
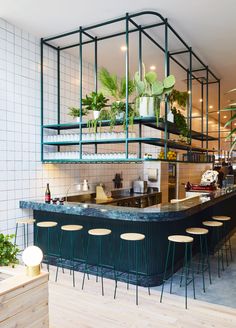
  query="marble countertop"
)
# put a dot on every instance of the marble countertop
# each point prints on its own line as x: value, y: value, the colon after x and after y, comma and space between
x: 160, y: 212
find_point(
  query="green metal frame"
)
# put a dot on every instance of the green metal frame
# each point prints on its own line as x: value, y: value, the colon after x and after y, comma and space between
x: 129, y: 20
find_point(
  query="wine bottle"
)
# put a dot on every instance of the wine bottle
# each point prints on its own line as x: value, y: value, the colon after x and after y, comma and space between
x: 47, y: 195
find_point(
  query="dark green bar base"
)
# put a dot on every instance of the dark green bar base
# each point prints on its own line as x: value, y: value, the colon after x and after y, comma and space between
x: 155, y: 243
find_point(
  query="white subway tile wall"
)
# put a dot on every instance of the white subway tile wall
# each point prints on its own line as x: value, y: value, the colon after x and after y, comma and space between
x: 22, y: 175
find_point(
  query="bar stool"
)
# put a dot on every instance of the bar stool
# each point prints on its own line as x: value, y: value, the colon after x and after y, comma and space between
x: 204, y: 254
x: 48, y: 225
x: 71, y: 229
x: 25, y: 223
x: 131, y: 239
x: 225, y: 219
x: 187, y: 241
x: 99, y: 234
x: 220, y: 257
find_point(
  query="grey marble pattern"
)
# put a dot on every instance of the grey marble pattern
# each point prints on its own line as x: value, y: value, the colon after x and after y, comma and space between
x: 161, y: 212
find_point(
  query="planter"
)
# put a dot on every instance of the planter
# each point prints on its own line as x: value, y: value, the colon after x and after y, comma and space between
x: 96, y: 114
x: 146, y: 106
x: 120, y: 116
x: 170, y: 116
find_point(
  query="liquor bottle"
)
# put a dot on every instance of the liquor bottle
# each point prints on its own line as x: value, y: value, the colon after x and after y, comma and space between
x: 47, y: 195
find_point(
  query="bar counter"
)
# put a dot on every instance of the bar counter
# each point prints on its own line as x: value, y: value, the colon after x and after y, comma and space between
x: 156, y: 223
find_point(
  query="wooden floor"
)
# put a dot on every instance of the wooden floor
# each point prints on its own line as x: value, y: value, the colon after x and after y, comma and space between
x: 73, y: 308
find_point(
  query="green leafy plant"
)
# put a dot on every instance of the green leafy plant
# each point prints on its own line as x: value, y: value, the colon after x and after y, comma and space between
x: 94, y: 101
x: 112, y: 86
x: 75, y: 111
x: 228, y: 123
x: 8, y: 251
x: 149, y: 86
x: 180, y: 98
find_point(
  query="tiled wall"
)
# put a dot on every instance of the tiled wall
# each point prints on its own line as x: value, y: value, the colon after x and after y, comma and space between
x: 22, y: 175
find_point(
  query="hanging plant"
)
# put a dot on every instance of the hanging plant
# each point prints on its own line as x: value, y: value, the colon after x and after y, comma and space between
x: 151, y: 92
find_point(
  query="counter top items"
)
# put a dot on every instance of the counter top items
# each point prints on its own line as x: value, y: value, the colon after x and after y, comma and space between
x: 140, y: 186
x: 118, y: 180
x: 208, y: 182
x: 47, y: 194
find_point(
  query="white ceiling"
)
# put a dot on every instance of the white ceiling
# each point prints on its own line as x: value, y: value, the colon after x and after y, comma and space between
x: 206, y: 25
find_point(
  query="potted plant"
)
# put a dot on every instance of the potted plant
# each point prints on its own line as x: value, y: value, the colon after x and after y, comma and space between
x: 96, y: 101
x: 151, y: 92
x: 75, y: 112
x: 8, y: 251
x: 116, y: 88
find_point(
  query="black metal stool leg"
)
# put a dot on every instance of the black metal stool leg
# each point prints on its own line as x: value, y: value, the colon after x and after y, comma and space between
x: 208, y: 258
x: 186, y: 273
x: 136, y: 269
x: 202, y: 256
x: 192, y: 268
x: 16, y: 233
x: 60, y: 256
x: 172, y: 266
x: 230, y: 250
x: 166, y: 264
x: 86, y: 262
x: 225, y: 246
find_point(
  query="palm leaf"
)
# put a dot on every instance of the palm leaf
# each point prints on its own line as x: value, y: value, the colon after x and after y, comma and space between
x: 228, y: 109
x: 232, y: 146
x: 231, y: 133
x: 230, y: 120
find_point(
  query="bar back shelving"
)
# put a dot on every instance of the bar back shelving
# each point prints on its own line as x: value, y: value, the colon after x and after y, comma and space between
x: 87, y: 35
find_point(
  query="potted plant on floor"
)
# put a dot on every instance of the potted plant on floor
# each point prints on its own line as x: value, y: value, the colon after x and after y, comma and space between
x: 75, y: 112
x: 8, y: 251
x: 151, y: 92
x: 95, y: 102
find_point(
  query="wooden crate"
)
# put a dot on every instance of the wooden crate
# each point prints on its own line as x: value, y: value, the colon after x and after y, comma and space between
x: 23, y: 300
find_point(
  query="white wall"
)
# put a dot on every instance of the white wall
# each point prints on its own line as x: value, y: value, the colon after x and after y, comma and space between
x: 22, y: 175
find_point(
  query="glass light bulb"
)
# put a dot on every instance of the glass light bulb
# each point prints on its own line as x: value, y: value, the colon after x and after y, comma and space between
x: 32, y: 256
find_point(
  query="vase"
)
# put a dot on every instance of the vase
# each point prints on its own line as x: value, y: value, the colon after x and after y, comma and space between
x: 96, y: 114
x: 146, y: 106
x: 120, y: 116
x: 170, y: 116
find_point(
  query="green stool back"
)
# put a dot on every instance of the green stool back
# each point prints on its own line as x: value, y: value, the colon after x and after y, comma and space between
x: 217, y: 227
x: 132, y: 240
x: 99, y: 235
x: 187, y: 241
x: 204, y: 261
x: 25, y: 223
x: 227, y: 242
x: 72, y: 230
x: 47, y: 226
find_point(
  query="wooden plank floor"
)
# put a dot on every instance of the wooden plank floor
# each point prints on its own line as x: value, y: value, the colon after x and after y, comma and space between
x: 73, y: 308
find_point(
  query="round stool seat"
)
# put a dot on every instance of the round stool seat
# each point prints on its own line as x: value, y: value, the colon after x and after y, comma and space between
x: 47, y: 224
x: 132, y: 236
x: 99, y: 232
x: 180, y: 239
x: 71, y: 227
x: 212, y: 223
x: 25, y: 221
x: 197, y: 231
x: 221, y: 218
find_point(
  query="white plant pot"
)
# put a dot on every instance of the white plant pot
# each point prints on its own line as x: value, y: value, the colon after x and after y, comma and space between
x: 146, y: 106
x: 170, y: 116
x: 120, y: 116
x: 96, y: 114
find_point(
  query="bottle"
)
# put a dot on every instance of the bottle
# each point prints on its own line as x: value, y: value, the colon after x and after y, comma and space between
x: 85, y: 185
x: 47, y: 195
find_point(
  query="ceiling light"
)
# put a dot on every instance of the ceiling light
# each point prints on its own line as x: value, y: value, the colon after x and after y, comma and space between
x: 234, y: 123
x: 225, y: 116
x: 201, y: 100
x: 210, y: 106
x: 152, y: 68
x: 123, y: 48
x: 189, y: 92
